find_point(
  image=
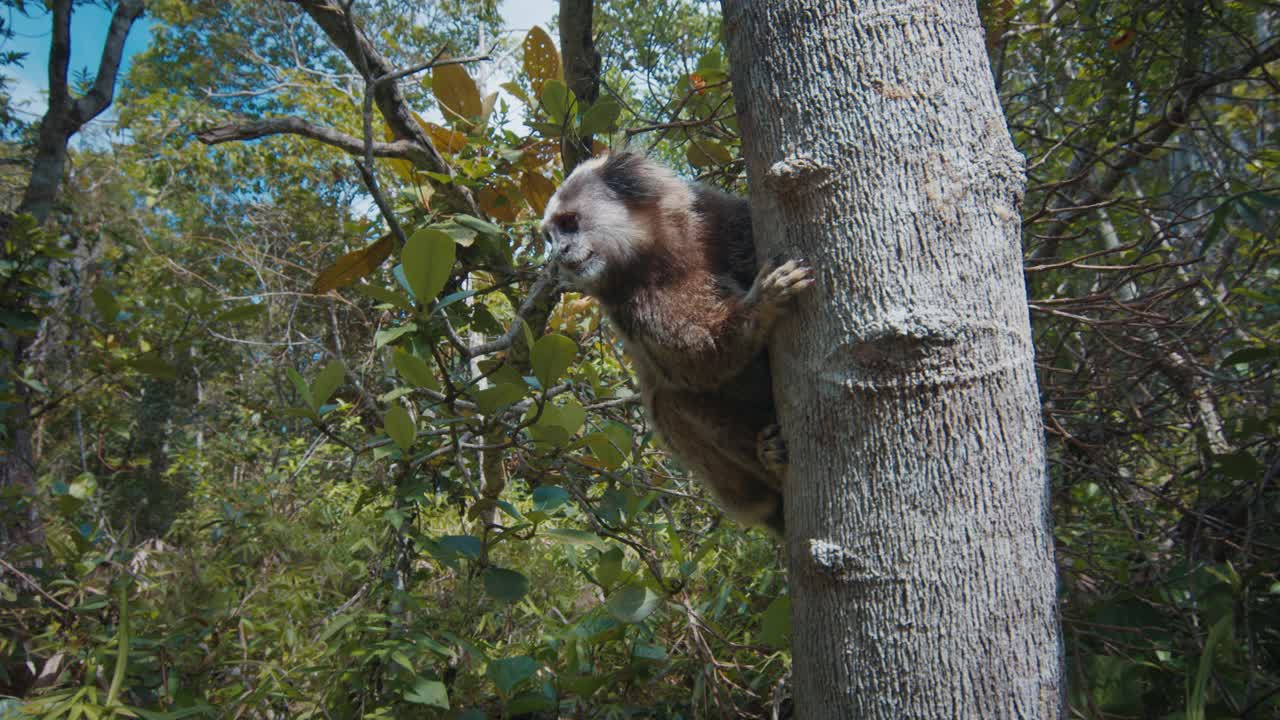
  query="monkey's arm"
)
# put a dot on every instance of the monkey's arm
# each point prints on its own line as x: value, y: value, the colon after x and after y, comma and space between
x: 704, y: 355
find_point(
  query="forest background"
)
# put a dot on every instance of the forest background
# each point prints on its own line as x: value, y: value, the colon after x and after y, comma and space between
x: 307, y: 432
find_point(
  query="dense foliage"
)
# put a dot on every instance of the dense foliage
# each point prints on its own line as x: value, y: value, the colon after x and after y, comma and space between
x: 315, y: 437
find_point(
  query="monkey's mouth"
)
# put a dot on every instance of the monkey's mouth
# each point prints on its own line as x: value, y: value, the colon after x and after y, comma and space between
x: 575, y: 264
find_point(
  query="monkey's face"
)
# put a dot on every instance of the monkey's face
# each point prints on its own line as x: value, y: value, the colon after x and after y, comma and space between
x: 591, y: 230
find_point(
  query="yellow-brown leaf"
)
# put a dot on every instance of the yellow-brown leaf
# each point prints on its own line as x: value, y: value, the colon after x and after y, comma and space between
x: 497, y: 202
x: 446, y: 141
x: 457, y: 92
x: 541, y: 59
x: 353, y: 266
x: 537, y: 191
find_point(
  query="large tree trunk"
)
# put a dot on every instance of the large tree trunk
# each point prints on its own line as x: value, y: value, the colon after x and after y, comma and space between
x: 921, y: 562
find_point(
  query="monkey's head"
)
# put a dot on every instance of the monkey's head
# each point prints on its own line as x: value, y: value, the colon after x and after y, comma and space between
x: 605, y: 217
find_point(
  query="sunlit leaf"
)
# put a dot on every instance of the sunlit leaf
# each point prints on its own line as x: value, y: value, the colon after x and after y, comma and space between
x: 456, y: 91
x: 541, y: 59
x: 446, y: 141
x: 537, y: 191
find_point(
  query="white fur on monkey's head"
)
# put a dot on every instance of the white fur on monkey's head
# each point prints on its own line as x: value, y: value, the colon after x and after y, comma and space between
x: 602, y: 218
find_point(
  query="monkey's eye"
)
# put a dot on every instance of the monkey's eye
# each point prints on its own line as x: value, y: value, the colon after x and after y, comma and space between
x: 567, y: 222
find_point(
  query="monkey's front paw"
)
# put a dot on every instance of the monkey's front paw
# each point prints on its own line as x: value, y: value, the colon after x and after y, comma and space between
x: 771, y: 450
x: 780, y: 281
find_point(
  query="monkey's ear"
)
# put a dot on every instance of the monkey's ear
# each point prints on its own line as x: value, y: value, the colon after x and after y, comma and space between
x: 631, y: 176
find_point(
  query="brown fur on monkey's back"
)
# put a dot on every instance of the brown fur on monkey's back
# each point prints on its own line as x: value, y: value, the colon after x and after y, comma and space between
x: 701, y: 264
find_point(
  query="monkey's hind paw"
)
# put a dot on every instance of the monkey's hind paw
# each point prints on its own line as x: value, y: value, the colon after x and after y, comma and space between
x: 771, y: 450
x: 779, y: 281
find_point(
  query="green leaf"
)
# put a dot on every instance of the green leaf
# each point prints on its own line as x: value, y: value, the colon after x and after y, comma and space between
x: 549, y: 497
x: 467, y: 546
x: 609, y: 567
x: 558, y: 423
x: 576, y: 537
x: 428, y: 692
x: 381, y: 294
x: 400, y: 427
x: 533, y: 701
x: 392, y: 334
x: 335, y: 625
x: 1250, y: 355
x: 329, y: 379
x: 493, y: 399
x: 775, y: 623
x: 1196, y: 698
x: 606, y: 452
x: 632, y: 604
x: 556, y: 98
x: 428, y: 260
x: 509, y: 673
x: 656, y: 653
x: 704, y: 153
x: 505, y: 585
x: 151, y: 364
x: 106, y: 303
x: 551, y: 356
x: 478, y: 225
x: 415, y: 370
x: 240, y: 312
x: 600, y: 117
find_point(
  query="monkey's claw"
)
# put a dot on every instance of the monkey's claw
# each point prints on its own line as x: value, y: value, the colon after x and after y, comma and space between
x: 771, y: 450
x: 779, y: 281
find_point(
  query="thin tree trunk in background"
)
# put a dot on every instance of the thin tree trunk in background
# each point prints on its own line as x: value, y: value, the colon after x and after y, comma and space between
x: 581, y: 71
x: 65, y: 117
x: 921, y: 561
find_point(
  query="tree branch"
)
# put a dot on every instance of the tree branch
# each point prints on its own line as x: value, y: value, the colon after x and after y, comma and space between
x: 59, y: 56
x: 1142, y: 144
x: 365, y: 57
x: 403, y: 149
x: 99, y: 96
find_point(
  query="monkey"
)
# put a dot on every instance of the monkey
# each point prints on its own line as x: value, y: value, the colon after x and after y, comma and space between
x: 674, y: 267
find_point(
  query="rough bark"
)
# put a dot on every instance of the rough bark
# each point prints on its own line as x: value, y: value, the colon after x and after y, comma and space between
x: 921, y: 562
x: 581, y: 71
